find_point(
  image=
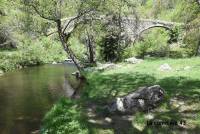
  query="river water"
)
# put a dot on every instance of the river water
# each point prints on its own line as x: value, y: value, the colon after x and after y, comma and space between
x: 27, y: 94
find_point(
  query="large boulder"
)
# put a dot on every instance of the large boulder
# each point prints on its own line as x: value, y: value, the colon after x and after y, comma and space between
x: 145, y: 98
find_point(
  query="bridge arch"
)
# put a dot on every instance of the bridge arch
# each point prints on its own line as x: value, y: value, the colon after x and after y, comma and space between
x: 170, y: 29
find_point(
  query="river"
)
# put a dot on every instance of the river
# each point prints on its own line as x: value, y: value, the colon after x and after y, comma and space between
x: 27, y: 94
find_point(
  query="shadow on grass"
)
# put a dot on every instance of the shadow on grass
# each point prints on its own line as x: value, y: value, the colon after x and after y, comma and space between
x: 103, y: 88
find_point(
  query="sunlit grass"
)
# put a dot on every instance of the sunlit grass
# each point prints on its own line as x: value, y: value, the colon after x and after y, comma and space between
x: 182, y: 82
x: 181, y: 103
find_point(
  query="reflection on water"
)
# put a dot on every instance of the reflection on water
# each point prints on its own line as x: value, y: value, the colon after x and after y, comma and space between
x: 26, y: 95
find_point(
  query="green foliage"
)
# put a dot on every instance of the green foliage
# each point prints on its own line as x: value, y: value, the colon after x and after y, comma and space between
x: 190, y: 14
x: 78, y: 48
x: 153, y: 43
x: 64, y: 118
x: 32, y: 53
x: 174, y: 35
x: 142, y: 48
x: 110, y: 48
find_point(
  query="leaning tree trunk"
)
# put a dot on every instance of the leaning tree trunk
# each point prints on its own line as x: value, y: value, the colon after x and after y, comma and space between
x: 64, y: 41
x: 145, y: 98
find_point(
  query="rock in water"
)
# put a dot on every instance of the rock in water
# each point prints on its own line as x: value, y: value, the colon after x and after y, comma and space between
x: 144, y: 98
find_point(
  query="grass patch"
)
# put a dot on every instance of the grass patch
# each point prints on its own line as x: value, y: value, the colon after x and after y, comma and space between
x: 182, y: 88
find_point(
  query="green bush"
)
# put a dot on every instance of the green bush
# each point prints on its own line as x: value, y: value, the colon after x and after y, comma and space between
x: 142, y: 48
x: 64, y: 118
x: 180, y: 53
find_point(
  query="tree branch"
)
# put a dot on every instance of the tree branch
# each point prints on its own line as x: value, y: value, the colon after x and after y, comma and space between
x: 42, y: 15
x: 75, y: 18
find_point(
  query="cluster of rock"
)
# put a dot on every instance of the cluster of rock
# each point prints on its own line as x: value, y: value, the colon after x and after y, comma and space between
x: 144, y: 98
x: 133, y: 60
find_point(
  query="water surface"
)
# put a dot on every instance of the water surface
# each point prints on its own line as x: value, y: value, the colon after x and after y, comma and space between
x: 26, y: 95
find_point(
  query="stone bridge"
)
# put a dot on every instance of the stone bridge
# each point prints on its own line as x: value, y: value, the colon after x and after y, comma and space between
x: 133, y: 28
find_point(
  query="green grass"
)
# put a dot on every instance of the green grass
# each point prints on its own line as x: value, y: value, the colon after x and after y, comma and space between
x: 181, y: 86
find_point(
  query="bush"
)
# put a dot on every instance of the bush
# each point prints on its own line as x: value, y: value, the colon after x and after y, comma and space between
x: 64, y: 118
x: 109, y: 48
x: 142, y: 48
x: 181, y: 53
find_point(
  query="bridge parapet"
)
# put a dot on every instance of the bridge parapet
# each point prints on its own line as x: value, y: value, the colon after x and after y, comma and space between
x: 132, y: 27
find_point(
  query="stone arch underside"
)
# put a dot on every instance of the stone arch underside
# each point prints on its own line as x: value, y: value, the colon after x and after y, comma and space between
x: 135, y: 28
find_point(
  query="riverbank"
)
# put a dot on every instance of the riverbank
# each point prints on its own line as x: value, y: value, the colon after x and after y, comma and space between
x: 181, y: 83
x: 17, y: 59
x: 27, y: 94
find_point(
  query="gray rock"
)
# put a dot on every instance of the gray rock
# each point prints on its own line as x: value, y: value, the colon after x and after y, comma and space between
x: 68, y: 60
x: 1, y: 72
x: 77, y: 74
x: 144, y: 98
x: 133, y: 60
x: 107, y: 119
x: 165, y: 67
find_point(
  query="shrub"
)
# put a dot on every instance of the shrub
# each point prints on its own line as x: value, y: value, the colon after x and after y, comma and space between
x: 110, y: 48
x: 180, y: 53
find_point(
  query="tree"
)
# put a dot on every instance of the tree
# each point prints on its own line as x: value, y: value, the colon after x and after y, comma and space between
x: 78, y: 13
x: 55, y: 11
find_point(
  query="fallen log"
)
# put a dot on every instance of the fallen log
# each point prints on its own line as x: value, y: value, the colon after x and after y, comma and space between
x: 145, y: 98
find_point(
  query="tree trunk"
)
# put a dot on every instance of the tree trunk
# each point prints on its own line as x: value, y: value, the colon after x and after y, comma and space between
x: 64, y: 41
x: 91, y: 49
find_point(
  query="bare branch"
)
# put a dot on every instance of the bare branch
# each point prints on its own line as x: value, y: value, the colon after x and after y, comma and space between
x: 77, y: 17
x: 42, y: 15
x: 51, y: 33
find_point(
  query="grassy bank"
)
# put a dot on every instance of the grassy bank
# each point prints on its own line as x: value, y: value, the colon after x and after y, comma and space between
x: 182, y: 86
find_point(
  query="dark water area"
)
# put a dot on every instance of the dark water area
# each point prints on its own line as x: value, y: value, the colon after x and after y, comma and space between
x: 26, y: 95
